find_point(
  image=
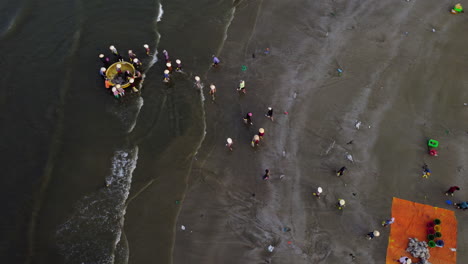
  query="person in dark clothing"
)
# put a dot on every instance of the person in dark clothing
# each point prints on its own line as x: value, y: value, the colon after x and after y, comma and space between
x: 269, y: 114
x: 267, y: 175
x: 341, y: 171
x: 248, y: 119
x: 451, y: 190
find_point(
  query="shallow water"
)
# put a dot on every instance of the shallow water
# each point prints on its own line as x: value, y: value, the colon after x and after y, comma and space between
x: 65, y: 136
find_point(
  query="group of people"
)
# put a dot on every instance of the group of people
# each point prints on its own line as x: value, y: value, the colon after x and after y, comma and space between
x: 169, y: 69
x: 122, y: 77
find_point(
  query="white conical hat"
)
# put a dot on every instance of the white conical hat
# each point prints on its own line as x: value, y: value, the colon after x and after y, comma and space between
x: 101, y: 55
x: 168, y: 64
x: 145, y: 46
x: 118, y: 86
x: 131, y: 80
x: 119, y: 65
x: 256, y: 137
x: 130, y: 51
x: 408, y: 261
x: 319, y: 189
x: 178, y: 61
x: 261, y: 130
x: 212, y: 87
x: 197, y: 78
x: 135, y: 60
x: 103, y: 69
x: 376, y: 233
x: 166, y: 71
x: 269, y: 108
x: 229, y: 141
x: 113, y: 89
x: 112, y: 47
x: 342, y: 202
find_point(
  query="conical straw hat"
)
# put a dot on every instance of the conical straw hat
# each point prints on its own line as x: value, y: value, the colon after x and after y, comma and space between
x: 261, y: 130
x: 256, y: 137
x: 229, y: 140
x: 212, y: 87
x: 342, y: 202
x: 197, y: 78
x: 376, y: 233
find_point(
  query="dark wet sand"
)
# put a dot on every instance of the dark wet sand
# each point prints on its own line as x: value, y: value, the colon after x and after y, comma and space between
x: 404, y: 87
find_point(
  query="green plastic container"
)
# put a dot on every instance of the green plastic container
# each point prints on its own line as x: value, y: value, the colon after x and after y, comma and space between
x: 431, y: 244
x: 437, y: 221
x: 438, y: 234
x: 430, y: 237
x: 433, y: 143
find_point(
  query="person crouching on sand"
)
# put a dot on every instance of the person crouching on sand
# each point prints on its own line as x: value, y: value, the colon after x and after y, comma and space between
x: 261, y: 133
x: 451, y: 190
x: 229, y: 144
x: 255, y: 141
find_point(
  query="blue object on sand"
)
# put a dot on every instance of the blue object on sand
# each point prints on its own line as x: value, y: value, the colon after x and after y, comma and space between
x: 448, y: 202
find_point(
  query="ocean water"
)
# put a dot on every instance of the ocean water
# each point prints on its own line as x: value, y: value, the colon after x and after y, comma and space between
x: 65, y: 138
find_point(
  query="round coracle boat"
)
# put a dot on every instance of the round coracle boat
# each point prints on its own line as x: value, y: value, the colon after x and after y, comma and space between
x: 114, y: 77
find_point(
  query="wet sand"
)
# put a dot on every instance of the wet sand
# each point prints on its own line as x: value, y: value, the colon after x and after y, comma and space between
x: 400, y: 79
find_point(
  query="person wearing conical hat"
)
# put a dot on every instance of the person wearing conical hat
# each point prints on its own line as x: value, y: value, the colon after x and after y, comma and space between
x: 178, y: 65
x: 373, y: 234
x: 105, y: 60
x: 212, y: 91
x: 169, y: 66
x: 102, y: 71
x: 229, y: 143
x: 119, y: 68
x: 166, y: 55
x: 255, y: 141
x: 120, y: 90
x: 166, y: 76
x: 115, y: 92
x: 146, y: 46
x: 341, y: 204
x: 133, y: 85
x: 318, y: 193
x: 115, y: 52
x: 269, y: 113
x: 131, y: 55
x: 261, y: 133
x: 136, y: 62
x: 198, y: 82
x: 457, y: 9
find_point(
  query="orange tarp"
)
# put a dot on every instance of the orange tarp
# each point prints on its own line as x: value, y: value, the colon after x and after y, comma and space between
x: 411, y: 220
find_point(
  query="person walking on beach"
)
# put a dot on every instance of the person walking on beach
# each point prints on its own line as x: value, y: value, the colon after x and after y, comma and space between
x: 216, y: 61
x: 451, y: 190
x: 248, y: 119
x: 179, y: 65
x: 269, y: 114
x: 341, y: 171
x: 198, y: 82
x: 146, y: 46
x: 115, y: 52
x: 169, y: 66
x: 241, y: 86
x: 318, y: 193
x: 373, y: 234
x: 267, y: 175
x: 166, y: 55
x: 261, y: 133
x: 213, y: 91
x: 255, y: 141
x: 166, y: 76
x: 229, y: 144
x: 341, y: 204
x: 137, y: 63
x: 388, y: 222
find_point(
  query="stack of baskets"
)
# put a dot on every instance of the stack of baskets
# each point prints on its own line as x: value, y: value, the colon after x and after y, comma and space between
x: 434, y: 235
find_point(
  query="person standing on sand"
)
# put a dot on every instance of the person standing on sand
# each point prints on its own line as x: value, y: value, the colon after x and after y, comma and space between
x: 241, y: 86
x: 388, y: 222
x: 451, y: 190
x: 178, y: 65
x: 255, y: 141
x: 229, y: 144
x: 341, y: 171
x: 131, y: 55
x: 198, y: 82
x: 341, y: 204
x: 248, y: 118
x: 318, y: 193
x: 213, y: 91
x: 269, y: 114
x: 267, y: 175
x: 102, y: 71
x: 373, y: 234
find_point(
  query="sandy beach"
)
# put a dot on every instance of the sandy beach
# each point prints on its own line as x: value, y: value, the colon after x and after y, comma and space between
x: 401, y: 79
